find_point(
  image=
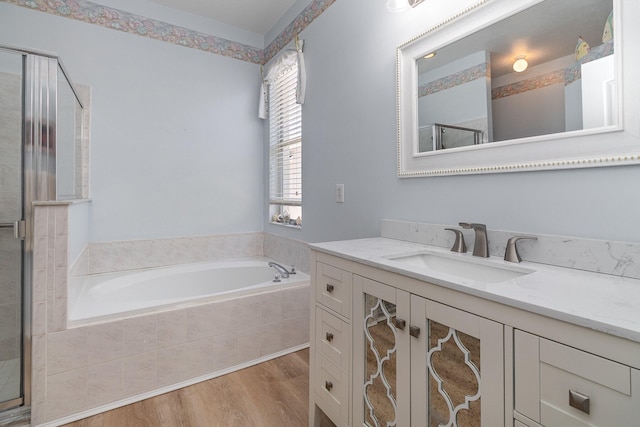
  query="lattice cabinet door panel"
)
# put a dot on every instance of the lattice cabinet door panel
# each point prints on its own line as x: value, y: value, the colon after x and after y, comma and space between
x: 457, y: 365
x: 380, y: 355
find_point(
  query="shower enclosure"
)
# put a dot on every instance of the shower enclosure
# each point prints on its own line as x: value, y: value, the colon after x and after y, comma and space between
x: 441, y: 137
x: 40, y: 136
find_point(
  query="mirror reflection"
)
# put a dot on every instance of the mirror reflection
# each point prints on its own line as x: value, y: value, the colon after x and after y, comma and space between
x: 546, y: 70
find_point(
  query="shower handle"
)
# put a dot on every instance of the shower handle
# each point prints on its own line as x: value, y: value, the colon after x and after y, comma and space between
x: 19, y: 228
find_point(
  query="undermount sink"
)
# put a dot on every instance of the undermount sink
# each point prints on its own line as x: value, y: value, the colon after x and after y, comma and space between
x: 463, y: 266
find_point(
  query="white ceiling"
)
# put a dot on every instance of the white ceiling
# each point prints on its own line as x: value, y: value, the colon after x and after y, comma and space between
x: 258, y: 16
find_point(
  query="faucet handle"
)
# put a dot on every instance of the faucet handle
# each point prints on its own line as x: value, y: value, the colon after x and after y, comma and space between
x: 511, y: 252
x: 459, y: 245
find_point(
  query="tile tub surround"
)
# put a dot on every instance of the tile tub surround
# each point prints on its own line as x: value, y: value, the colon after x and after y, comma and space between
x: 288, y: 251
x: 82, y: 371
x: 598, y: 256
x: 49, y: 294
x: 136, y: 254
x: 119, y: 362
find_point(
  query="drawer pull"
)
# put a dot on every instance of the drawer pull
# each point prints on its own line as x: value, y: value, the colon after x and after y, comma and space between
x: 414, y: 331
x: 400, y: 323
x: 329, y: 336
x: 328, y: 385
x: 329, y: 288
x: 579, y: 401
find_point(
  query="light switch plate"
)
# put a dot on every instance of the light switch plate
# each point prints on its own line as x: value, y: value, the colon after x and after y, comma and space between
x: 339, y: 193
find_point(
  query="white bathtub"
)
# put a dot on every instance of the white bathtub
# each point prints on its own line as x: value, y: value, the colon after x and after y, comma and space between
x: 112, y: 296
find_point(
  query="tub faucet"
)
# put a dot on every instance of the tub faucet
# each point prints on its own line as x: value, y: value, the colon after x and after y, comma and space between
x: 481, y: 245
x: 281, y: 269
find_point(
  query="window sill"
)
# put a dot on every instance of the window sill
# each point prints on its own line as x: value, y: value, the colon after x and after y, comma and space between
x: 282, y: 224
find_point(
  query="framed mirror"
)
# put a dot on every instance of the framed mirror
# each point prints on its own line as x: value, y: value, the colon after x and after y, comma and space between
x: 463, y: 108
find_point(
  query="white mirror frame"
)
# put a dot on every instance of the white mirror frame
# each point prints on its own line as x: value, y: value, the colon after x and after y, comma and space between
x: 608, y: 146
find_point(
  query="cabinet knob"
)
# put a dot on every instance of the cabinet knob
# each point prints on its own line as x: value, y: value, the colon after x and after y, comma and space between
x: 329, y: 336
x: 328, y: 385
x: 400, y: 323
x: 414, y: 331
x: 579, y: 401
x: 329, y: 288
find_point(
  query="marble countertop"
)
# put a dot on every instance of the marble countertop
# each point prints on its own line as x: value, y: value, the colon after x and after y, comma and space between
x: 602, y: 302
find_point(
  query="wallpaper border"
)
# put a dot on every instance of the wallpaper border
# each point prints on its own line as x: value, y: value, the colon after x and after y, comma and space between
x: 120, y: 20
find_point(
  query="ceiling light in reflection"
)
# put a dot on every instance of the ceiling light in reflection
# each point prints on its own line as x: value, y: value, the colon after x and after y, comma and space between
x: 520, y: 64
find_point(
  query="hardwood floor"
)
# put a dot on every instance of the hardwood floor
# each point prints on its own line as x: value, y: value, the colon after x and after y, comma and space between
x: 273, y: 393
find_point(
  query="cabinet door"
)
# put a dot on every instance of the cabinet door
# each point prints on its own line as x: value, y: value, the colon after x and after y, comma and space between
x: 457, y: 367
x: 380, y: 355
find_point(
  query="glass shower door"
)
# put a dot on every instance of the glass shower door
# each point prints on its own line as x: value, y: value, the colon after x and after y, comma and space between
x: 11, y: 213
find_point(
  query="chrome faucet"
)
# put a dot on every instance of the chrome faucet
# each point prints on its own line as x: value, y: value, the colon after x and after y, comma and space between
x: 481, y: 245
x: 282, y: 270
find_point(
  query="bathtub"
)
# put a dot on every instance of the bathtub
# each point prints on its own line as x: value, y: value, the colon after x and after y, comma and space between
x: 113, y: 296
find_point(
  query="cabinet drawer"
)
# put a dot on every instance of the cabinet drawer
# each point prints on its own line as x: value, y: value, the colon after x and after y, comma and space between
x: 333, y: 338
x: 580, y: 389
x: 333, y: 288
x: 332, y: 388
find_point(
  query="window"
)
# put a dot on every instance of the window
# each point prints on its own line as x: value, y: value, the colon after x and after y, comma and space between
x: 285, y: 149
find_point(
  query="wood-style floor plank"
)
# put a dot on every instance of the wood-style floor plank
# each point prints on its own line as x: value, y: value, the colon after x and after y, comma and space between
x: 273, y: 393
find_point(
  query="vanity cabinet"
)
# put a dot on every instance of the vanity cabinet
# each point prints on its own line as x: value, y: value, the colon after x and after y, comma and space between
x: 557, y: 385
x: 330, y: 358
x: 388, y: 349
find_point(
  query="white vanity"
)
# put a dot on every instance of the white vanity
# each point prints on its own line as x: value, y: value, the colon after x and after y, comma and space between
x: 402, y: 341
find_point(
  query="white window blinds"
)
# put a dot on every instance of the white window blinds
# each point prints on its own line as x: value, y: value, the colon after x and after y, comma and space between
x: 285, y: 141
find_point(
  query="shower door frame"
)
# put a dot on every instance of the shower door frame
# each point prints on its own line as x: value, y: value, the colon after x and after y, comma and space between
x: 39, y: 119
x: 21, y: 233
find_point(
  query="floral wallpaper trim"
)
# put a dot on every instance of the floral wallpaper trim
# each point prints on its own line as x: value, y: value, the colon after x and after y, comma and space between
x: 465, y: 76
x: 538, y: 82
x: 306, y: 17
x: 120, y: 20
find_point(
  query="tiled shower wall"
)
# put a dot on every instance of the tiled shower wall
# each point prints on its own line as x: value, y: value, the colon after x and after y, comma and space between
x: 80, y: 369
x: 10, y: 146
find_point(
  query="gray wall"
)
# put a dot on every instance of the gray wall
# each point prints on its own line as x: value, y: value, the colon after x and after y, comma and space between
x: 177, y: 149
x: 176, y: 142
x: 349, y: 122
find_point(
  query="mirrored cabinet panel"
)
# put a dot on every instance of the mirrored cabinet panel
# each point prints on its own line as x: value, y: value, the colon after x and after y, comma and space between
x: 380, y: 362
x: 453, y: 360
x: 457, y: 367
x: 381, y: 355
